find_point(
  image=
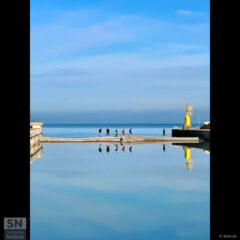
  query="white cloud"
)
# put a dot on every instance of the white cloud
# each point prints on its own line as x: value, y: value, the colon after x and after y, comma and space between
x: 185, y: 12
x: 123, y: 62
x: 58, y: 38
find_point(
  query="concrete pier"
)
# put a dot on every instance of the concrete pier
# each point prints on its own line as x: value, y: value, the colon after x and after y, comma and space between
x: 35, y: 136
x: 124, y: 139
x: 202, y: 134
x: 35, y: 141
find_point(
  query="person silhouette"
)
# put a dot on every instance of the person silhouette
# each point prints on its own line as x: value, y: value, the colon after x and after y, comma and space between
x: 116, y: 149
x: 99, y: 148
x: 116, y: 131
x: 123, y: 132
x: 108, y: 132
x: 130, y: 131
x: 164, y: 132
x: 99, y: 132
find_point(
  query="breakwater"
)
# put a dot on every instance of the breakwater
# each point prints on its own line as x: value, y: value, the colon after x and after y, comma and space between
x: 35, y: 141
x: 202, y: 134
x: 123, y: 139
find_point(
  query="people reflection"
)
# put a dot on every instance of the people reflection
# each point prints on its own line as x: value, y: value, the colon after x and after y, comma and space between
x: 100, y: 148
x: 116, y: 149
x: 187, y: 155
x: 108, y: 148
x: 164, y: 147
x: 130, y: 148
x: 123, y: 148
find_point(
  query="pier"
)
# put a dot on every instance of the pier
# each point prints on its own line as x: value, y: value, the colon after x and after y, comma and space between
x: 202, y: 134
x: 123, y: 139
x: 35, y: 140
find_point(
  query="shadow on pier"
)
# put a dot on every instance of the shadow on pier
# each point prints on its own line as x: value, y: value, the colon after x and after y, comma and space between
x: 202, y: 145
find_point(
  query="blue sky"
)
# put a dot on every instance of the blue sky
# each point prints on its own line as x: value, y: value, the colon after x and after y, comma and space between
x: 135, y: 56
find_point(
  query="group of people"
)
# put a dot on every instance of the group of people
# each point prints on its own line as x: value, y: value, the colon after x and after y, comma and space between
x: 116, y: 132
x: 116, y: 148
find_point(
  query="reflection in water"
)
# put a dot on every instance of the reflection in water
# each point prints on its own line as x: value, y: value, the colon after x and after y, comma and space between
x: 107, y: 148
x: 130, y: 149
x: 187, y: 155
x: 36, y: 151
x: 116, y: 148
x: 100, y: 148
x: 186, y: 148
x: 164, y: 147
x: 78, y: 193
x: 205, y: 146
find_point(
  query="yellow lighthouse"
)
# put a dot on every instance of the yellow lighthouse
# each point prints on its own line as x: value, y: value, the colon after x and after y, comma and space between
x: 187, y: 155
x: 187, y: 120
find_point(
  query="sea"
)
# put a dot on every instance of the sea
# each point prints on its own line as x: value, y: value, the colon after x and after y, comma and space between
x: 82, y: 191
x: 91, y: 130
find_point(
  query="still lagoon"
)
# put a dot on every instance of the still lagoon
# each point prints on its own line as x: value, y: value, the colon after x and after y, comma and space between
x: 116, y: 192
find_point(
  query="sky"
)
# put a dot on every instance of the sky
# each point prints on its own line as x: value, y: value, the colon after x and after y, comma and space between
x: 119, y: 57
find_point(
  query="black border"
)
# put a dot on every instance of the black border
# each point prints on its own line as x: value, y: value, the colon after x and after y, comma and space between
x: 224, y: 199
x: 15, y: 114
x: 15, y: 99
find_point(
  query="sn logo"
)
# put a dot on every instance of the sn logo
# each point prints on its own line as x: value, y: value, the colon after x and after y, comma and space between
x: 14, y: 223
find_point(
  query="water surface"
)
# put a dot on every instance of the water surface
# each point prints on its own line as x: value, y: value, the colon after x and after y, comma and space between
x: 91, y: 130
x: 80, y: 192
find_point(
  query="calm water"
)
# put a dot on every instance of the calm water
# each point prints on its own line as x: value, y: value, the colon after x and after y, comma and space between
x: 91, y: 130
x: 79, y: 192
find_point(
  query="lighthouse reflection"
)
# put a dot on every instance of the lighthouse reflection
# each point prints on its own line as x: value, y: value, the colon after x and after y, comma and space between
x: 187, y: 155
x: 187, y: 147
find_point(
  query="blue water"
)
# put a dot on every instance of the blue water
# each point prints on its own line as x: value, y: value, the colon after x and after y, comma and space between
x: 79, y: 193
x: 91, y: 130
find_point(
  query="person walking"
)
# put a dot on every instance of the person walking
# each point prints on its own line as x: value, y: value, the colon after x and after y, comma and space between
x: 99, y: 132
x: 123, y: 131
x: 116, y: 131
x: 130, y: 131
x: 164, y: 132
x: 108, y: 132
